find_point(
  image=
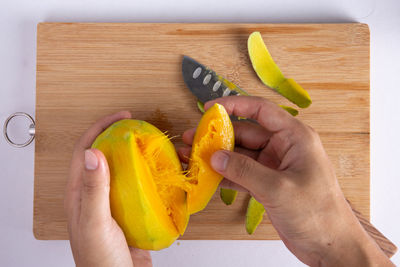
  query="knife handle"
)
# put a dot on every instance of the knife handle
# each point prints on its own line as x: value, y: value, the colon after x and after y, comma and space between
x: 385, y: 244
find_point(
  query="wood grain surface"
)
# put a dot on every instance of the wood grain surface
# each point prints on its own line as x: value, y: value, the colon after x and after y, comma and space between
x: 86, y: 71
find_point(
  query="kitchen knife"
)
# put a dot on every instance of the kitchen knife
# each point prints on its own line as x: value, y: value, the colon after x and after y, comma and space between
x: 207, y: 85
x: 204, y: 83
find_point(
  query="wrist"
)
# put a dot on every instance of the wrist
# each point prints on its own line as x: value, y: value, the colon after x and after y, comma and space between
x: 348, y: 244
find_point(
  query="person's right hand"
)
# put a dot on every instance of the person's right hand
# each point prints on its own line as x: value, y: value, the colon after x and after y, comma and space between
x: 283, y: 164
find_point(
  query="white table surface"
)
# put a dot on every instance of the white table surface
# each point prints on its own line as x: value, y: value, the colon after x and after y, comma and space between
x: 18, y: 19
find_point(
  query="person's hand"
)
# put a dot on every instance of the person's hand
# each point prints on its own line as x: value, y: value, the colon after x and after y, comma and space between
x: 282, y: 163
x: 95, y: 237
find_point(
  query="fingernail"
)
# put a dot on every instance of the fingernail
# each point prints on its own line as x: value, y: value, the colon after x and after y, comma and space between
x: 219, y: 160
x: 91, y: 161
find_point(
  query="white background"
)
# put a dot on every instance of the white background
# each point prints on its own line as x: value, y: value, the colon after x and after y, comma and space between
x: 18, y: 19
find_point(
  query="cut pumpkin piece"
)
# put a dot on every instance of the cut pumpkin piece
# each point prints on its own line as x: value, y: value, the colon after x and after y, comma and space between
x: 147, y: 185
x: 214, y: 132
x: 292, y: 111
x: 271, y: 75
x: 254, y: 215
x: 200, y: 106
x: 227, y: 195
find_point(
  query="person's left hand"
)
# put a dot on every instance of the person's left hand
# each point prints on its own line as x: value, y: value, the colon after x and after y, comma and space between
x: 95, y: 237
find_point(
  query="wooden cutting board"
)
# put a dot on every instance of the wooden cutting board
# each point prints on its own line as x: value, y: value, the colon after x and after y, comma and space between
x: 86, y: 71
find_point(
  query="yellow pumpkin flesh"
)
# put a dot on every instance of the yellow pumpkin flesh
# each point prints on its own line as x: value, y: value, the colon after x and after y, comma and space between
x: 151, y: 213
x: 214, y: 132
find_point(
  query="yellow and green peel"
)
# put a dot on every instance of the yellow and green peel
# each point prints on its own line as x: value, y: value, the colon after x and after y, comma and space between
x: 227, y: 195
x: 254, y: 215
x: 271, y: 75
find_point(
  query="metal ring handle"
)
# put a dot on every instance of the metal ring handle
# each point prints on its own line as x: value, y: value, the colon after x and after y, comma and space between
x: 31, y: 130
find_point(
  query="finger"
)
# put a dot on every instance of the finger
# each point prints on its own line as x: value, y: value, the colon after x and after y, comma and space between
x: 184, y: 153
x: 72, y: 194
x: 225, y: 183
x: 90, y: 135
x: 269, y: 115
x: 250, y: 135
x: 141, y: 257
x: 245, y: 171
x: 95, y: 191
x: 188, y: 136
x: 269, y: 157
x: 247, y: 134
x: 248, y: 152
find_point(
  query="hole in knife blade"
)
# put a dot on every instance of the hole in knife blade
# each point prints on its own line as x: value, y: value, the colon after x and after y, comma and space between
x: 197, y: 73
x: 207, y: 79
x: 226, y: 92
x: 216, y: 86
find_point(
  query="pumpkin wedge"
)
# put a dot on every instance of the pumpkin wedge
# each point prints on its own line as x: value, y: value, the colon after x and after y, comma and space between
x: 147, y: 185
x: 214, y: 132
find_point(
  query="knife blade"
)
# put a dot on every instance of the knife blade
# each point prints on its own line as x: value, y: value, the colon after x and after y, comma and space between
x: 205, y: 83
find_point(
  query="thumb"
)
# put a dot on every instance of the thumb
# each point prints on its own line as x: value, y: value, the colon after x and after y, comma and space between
x: 245, y: 171
x: 95, y: 201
